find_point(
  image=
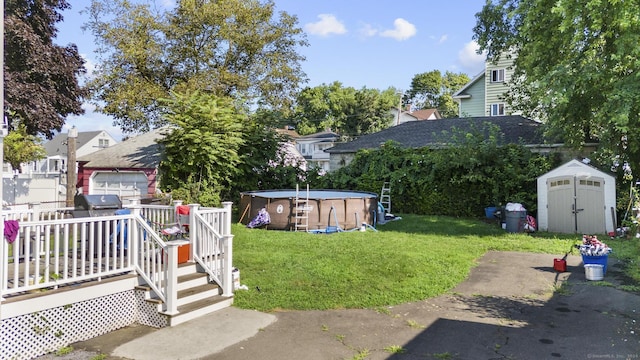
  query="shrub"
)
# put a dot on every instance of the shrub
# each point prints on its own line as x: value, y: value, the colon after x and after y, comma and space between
x: 456, y: 180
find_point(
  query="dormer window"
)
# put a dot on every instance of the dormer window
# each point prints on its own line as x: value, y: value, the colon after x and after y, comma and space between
x: 497, y: 75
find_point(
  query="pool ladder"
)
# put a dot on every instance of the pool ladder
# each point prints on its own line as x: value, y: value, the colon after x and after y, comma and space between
x: 302, y: 209
x: 385, y: 197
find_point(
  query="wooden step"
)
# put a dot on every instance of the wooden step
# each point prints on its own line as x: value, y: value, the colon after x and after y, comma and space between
x: 196, y: 295
x: 199, y: 308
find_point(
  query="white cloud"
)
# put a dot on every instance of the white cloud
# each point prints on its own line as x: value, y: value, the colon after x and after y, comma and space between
x: 89, y: 65
x: 367, y: 30
x: 327, y: 25
x: 402, y: 30
x: 470, y: 59
x: 168, y: 4
x: 92, y: 120
x: 443, y: 38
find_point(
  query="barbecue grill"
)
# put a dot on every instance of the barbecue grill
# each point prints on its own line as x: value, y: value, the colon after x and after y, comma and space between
x: 96, y: 205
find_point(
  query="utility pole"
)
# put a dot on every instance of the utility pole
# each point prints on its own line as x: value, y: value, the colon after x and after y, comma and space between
x: 71, y: 165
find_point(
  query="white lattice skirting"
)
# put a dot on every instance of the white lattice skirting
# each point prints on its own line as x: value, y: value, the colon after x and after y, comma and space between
x: 31, y: 335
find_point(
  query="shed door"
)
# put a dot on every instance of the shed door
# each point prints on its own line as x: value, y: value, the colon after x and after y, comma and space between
x: 576, y: 205
x: 559, y: 206
x: 123, y: 184
x: 590, y: 205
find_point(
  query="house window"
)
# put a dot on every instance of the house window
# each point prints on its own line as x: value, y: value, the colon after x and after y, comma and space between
x: 497, y: 75
x: 497, y: 109
x: 103, y: 143
x: 303, y: 148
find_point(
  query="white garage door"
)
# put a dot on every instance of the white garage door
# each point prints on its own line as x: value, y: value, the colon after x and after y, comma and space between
x: 123, y: 184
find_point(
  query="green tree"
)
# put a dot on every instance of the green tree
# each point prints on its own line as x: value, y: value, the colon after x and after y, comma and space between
x: 433, y: 90
x: 41, y: 78
x: 20, y: 147
x: 201, y: 146
x: 577, y: 67
x: 232, y: 48
x: 345, y: 110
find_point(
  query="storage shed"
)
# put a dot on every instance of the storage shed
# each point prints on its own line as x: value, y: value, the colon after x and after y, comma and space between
x: 576, y: 198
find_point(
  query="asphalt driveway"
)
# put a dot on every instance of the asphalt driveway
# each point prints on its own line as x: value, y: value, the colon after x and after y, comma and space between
x: 512, y: 306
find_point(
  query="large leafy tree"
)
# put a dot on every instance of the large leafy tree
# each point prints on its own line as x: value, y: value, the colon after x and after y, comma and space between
x: 577, y: 67
x: 345, y: 110
x: 41, y: 78
x: 201, y: 146
x: 434, y: 90
x: 231, y: 48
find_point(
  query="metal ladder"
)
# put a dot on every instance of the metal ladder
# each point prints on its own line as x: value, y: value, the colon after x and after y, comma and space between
x: 302, y: 210
x: 385, y: 197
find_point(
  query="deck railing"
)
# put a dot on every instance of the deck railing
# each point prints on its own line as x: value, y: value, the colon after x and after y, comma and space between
x: 48, y: 254
x: 213, y: 250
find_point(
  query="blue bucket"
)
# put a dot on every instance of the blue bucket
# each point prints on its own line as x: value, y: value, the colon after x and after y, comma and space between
x: 596, y: 260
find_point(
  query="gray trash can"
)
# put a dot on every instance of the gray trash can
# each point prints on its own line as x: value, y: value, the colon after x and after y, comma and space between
x: 515, y: 221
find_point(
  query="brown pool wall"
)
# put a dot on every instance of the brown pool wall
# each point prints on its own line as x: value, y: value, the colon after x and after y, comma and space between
x: 351, y: 208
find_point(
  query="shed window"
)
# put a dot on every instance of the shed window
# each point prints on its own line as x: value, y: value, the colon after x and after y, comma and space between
x: 590, y: 183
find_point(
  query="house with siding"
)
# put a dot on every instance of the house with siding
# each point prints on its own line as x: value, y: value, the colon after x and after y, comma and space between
x: 484, y: 94
x: 416, y: 115
x: 129, y: 169
x: 55, y: 163
x: 45, y: 181
x: 313, y: 147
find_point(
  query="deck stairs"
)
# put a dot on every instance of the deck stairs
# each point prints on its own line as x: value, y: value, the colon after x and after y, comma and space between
x: 302, y: 210
x: 196, y: 295
x: 385, y: 197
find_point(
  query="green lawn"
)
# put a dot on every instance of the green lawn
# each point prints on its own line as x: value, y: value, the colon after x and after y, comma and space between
x: 407, y: 260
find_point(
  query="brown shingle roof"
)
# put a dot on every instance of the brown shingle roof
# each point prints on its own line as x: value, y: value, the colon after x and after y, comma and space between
x: 424, y: 114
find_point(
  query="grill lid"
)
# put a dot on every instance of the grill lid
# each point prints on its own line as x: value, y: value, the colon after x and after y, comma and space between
x: 97, y: 202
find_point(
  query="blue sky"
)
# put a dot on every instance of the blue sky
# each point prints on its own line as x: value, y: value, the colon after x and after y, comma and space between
x: 360, y: 43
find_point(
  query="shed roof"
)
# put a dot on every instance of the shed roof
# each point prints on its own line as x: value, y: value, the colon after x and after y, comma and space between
x: 576, y: 167
x: 417, y: 134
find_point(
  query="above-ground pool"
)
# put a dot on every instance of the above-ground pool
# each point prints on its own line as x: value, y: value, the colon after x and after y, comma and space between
x: 327, y: 208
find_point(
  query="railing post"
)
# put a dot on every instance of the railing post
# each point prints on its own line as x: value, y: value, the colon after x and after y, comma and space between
x: 172, y: 276
x: 133, y: 244
x: 227, y: 238
x: 193, y: 231
x: 227, y: 220
x: 35, y: 211
x: 38, y: 242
